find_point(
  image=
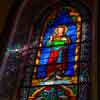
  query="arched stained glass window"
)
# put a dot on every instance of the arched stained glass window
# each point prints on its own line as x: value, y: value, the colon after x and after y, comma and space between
x: 60, y: 54
x: 60, y: 59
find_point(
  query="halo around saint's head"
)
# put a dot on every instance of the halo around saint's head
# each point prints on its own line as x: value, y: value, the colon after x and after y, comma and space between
x: 62, y: 26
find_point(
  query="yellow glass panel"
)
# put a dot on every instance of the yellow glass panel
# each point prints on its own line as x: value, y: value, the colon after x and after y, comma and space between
x: 40, y: 45
x: 38, y: 54
x: 30, y: 98
x: 77, y: 50
x: 35, y: 69
x: 78, y: 28
x: 78, y: 40
x: 75, y: 66
x: 74, y: 79
x: 79, y: 19
x: 41, y: 37
x: 76, y: 58
x: 37, y: 61
x: 78, y: 34
x: 74, y: 14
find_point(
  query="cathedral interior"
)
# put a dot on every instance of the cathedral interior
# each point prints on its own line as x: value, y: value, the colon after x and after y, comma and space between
x: 48, y: 50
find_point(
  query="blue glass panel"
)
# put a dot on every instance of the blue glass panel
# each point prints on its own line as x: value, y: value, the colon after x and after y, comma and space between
x: 41, y: 74
x: 73, y: 38
x: 59, y: 57
x: 72, y: 29
x: 71, y: 58
x: 70, y: 70
x: 44, y: 55
x: 71, y: 53
x: 41, y: 68
x: 72, y: 46
x: 44, y: 61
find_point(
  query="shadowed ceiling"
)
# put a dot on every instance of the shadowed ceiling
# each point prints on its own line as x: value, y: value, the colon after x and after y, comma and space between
x: 6, y: 4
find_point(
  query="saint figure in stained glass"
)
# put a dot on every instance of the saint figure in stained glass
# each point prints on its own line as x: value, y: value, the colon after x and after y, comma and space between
x: 58, y: 43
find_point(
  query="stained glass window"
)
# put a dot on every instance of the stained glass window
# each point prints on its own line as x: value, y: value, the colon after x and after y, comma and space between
x: 59, y: 60
x: 57, y: 57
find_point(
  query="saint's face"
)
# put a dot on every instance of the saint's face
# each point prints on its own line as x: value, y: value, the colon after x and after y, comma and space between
x: 60, y: 31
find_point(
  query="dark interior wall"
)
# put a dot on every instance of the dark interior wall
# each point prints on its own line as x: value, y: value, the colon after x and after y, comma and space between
x: 4, y: 9
x: 6, y: 4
